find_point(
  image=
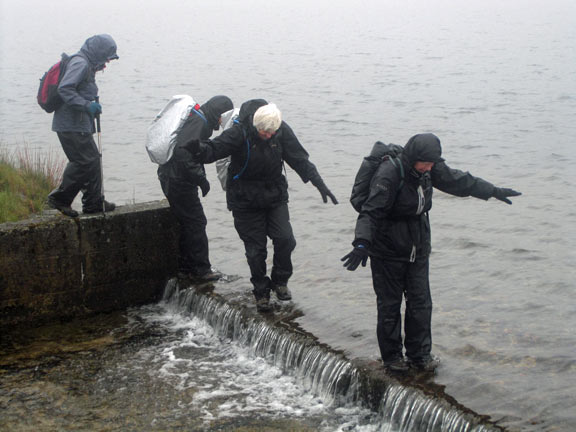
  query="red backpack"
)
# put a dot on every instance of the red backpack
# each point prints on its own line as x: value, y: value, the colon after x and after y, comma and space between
x: 48, y: 97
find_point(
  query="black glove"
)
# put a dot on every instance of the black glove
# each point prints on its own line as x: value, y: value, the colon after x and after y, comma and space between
x: 358, y: 255
x: 204, y: 185
x: 324, y: 191
x: 502, y: 194
x: 193, y: 146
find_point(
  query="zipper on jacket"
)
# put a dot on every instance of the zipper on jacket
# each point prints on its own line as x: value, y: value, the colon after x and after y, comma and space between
x: 413, y: 254
x: 421, y: 200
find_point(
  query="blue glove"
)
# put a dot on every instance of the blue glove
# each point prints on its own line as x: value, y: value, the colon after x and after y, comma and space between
x: 358, y: 255
x: 94, y: 108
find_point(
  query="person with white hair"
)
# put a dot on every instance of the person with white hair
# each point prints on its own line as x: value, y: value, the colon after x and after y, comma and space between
x: 257, y: 192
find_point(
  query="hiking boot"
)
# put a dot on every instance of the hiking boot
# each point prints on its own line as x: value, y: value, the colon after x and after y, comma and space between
x: 263, y: 304
x: 282, y: 292
x: 428, y: 364
x: 398, y: 365
x: 108, y: 207
x: 209, y: 276
x: 62, y: 208
x: 183, y: 275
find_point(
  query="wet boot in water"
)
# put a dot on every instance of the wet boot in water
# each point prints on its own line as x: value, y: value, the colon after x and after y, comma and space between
x: 282, y: 292
x: 263, y: 304
x: 209, y: 276
x: 428, y: 364
x: 261, y: 292
x: 396, y: 365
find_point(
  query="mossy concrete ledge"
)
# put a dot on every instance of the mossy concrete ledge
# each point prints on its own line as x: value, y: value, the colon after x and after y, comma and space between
x: 53, y: 267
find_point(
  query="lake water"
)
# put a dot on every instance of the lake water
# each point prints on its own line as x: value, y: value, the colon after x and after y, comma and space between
x: 495, y: 80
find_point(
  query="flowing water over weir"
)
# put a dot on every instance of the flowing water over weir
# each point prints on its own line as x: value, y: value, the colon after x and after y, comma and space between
x: 339, y: 382
x: 202, y: 359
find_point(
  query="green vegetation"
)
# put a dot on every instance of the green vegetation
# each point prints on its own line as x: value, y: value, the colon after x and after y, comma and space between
x: 26, y: 178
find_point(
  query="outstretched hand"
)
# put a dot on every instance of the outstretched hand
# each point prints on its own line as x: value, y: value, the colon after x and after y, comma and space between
x: 325, y: 192
x: 502, y: 194
x: 358, y: 255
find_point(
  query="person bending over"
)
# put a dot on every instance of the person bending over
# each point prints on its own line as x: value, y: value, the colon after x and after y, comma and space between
x: 180, y: 179
x: 257, y: 191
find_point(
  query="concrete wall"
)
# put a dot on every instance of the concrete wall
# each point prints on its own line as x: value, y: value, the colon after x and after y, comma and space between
x: 54, y: 267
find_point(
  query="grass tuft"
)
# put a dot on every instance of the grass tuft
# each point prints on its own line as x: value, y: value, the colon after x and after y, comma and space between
x: 27, y: 176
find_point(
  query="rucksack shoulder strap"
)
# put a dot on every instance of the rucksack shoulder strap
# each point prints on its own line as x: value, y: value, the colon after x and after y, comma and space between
x: 400, y: 167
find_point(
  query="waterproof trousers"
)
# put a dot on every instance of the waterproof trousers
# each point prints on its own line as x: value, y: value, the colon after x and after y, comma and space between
x: 253, y: 227
x: 392, y: 280
x: 193, y: 241
x: 82, y: 173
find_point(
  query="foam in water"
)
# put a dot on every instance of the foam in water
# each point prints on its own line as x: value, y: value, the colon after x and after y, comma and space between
x: 230, y: 381
x: 266, y: 370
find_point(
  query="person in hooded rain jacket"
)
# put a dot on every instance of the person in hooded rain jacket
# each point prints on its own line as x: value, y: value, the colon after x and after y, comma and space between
x: 73, y: 121
x: 393, y: 229
x: 180, y: 178
x: 257, y: 191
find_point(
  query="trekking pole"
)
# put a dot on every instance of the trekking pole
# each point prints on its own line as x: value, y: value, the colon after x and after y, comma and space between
x: 99, y: 130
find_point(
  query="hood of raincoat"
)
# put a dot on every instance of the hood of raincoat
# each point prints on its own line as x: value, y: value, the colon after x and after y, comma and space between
x: 422, y: 148
x: 214, y: 108
x: 248, y: 109
x: 99, y: 49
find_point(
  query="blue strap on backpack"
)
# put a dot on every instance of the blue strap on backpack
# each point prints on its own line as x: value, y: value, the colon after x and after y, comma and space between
x: 237, y: 176
x: 197, y: 111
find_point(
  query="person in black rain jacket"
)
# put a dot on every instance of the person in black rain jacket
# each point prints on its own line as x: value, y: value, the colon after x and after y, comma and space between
x: 73, y: 121
x: 257, y: 191
x: 393, y: 228
x: 180, y: 178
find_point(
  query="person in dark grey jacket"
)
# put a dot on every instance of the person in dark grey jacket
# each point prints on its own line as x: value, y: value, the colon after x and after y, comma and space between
x: 74, y: 124
x: 257, y: 191
x: 393, y: 229
x: 180, y: 178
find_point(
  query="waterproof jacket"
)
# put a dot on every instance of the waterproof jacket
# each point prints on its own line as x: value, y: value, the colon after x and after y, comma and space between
x: 393, y: 221
x: 255, y: 179
x: 78, y: 85
x: 201, y: 122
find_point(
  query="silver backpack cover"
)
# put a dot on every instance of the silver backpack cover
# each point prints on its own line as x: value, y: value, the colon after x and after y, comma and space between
x: 222, y: 164
x: 162, y: 133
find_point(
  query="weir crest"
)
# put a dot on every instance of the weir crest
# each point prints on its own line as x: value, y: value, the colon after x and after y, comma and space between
x: 321, y: 370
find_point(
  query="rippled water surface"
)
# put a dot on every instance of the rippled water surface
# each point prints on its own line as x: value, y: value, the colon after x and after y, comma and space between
x: 496, y: 81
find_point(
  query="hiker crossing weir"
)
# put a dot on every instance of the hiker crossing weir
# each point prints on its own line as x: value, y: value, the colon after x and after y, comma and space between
x: 55, y: 268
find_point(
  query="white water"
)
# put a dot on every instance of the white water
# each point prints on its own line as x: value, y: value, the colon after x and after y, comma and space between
x: 259, y: 369
x: 229, y: 381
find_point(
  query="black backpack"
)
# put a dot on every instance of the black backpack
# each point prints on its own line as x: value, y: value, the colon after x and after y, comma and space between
x: 48, y: 97
x: 380, y: 152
